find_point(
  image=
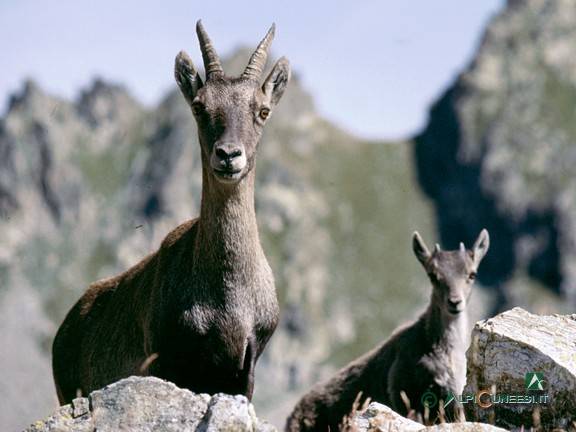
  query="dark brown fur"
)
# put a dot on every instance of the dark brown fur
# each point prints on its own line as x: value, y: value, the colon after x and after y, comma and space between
x: 200, y: 310
x: 425, y: 355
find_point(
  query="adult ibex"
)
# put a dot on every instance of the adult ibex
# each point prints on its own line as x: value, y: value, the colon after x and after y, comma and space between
x: 427, y: 355
x: 199, y: 310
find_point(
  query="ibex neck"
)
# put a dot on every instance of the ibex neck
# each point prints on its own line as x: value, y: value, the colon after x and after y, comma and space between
x: 443, y: 329
x: 227, y: 229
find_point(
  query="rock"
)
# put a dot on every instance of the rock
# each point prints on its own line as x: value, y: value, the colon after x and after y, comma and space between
x: 138, y: 404
x: 505, y: 354
x: 378, y: 417
x: 465, y: 427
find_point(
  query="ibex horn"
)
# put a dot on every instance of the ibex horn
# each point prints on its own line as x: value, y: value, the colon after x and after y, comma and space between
x: 437, y: 248
x: 462, y: 247
x: 211, y: 60
x: 258, y: 59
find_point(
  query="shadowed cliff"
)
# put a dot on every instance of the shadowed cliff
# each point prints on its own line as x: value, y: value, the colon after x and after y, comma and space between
x: 499, y: 148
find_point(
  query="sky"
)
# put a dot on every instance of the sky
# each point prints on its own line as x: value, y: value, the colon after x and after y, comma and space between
x: 374, y: 67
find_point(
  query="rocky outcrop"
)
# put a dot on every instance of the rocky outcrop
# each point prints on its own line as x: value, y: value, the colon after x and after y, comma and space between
x: 380, y: 418
x: 139, y: 404
x: 521, y: 376
x: 526, y: 365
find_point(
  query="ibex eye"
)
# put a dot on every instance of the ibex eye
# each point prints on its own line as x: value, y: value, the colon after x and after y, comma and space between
x: 264, y: 113
x: 197, y: 108
x: 472, y: 276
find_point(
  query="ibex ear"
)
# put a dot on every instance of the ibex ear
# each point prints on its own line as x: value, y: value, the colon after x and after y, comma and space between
x: 187, y: 76
x: 277, y: 81
x: 480, y: 246
x: 420, y: 249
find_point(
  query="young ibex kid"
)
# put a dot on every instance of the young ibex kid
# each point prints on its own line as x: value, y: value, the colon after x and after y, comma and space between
x: 427, y: 355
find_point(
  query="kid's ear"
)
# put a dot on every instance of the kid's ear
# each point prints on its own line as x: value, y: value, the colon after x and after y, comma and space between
x: 277, y: 81
x: 420, y: 249
x: 187, y: 77
x: 480, y: 246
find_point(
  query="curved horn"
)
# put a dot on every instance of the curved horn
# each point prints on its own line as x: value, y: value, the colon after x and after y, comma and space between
x: 462, y: 247
x: 211, y: 60
x: 258, y: 59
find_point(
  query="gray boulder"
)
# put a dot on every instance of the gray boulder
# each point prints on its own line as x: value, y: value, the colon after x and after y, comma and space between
x: 378, y: 417
x: 527, y: 363
x: 139, y: 404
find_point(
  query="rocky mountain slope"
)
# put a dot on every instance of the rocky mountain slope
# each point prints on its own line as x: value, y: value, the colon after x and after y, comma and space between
x: 499, y: 150
x: 89, y: 187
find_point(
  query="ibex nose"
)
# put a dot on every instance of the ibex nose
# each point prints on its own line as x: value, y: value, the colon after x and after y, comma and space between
x: 228, y: 159
x: 455, y: 305
x: 226, y: 154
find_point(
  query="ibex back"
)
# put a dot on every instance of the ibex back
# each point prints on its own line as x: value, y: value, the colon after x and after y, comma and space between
x: 200, y: 310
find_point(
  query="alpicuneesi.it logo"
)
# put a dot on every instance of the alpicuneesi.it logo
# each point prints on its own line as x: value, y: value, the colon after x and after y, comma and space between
x: 534, y: 382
